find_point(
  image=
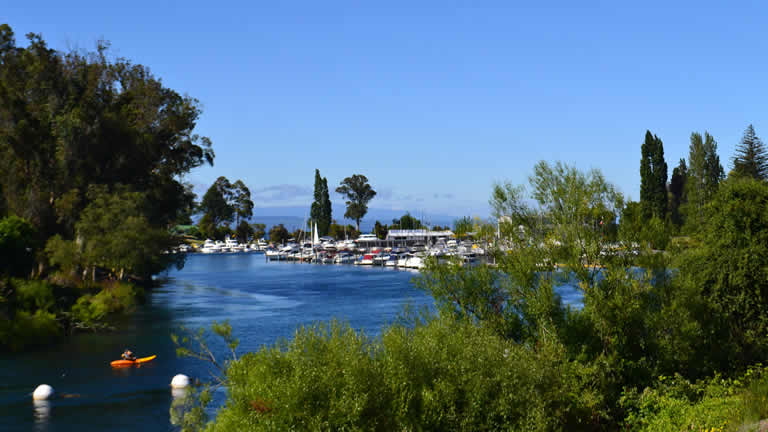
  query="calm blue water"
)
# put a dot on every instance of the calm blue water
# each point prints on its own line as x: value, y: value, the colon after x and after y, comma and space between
x: 263, y: 302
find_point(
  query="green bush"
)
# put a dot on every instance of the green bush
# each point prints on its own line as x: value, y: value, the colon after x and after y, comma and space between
x: 440, y: 375
x: 34, y: 295
x: 115, y: 298
x: 28, y: 330
x: 714, y: 404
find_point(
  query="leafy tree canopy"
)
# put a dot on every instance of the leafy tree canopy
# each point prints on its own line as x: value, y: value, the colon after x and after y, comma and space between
x: 71, y: 120
x: 17, y: 246
x: 358, y: 193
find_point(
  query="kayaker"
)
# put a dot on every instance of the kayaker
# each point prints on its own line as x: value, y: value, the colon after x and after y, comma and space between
x: 128, y: 355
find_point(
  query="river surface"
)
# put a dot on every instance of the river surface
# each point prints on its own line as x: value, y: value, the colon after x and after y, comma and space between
x: 263, y: 302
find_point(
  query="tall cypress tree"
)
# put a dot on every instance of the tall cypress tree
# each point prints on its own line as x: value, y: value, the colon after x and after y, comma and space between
x: 646, y: 176
x: 677, y: 191
x: 714, y: 172
x: 659, y: 180
x: 316, y: 210
x: 751, y: 159
x: 704, y: 176
x: 653, y: 178
x: 325, y: 204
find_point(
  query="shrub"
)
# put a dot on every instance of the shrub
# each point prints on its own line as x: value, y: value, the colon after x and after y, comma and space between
x: 442, y: 375
x: 716, y: 403
x: 29, y: 329
x: 115, y: 298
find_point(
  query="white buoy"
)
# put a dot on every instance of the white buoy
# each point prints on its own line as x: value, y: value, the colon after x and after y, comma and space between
x: 180, y: 381
x: 43, y: 392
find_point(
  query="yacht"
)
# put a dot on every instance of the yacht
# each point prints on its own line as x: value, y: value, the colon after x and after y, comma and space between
x: 402, y: 259
x: 380, y: 258
x: 415, y: 262
x: 232, y: 245
x: 272, y: 253
x: 366, y: 259
x: 343, y: 258
x: 210, y: 247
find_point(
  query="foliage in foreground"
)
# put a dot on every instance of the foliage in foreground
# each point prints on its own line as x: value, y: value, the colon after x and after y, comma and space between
x: 713, y: 404
x: 442, y: 374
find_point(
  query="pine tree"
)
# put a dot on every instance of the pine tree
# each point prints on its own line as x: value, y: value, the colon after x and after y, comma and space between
x: 751, y: 159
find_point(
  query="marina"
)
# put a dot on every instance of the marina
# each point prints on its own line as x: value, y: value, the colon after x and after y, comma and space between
x: 406, y: 249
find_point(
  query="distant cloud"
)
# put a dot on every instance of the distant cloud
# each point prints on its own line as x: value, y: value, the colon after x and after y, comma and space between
x: 283, y: 192
x: 443, y: 196
x: 384, y: 194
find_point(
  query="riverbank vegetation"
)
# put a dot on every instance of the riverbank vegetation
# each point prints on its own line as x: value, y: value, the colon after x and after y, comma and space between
x: 92, y: 153
x: 669, y: 335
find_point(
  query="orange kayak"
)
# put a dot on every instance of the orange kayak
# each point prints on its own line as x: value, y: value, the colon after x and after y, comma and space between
x: 118, y: 363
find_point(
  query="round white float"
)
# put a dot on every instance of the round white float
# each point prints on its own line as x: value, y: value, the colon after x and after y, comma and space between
x: 43, y: 392
x: 180, y: 381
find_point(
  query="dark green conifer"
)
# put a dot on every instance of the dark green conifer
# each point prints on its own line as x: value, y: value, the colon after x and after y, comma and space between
x: 751, y: 159
x: 653, y: 178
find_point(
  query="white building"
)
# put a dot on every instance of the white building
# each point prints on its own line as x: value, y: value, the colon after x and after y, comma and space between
x: 415, y: 235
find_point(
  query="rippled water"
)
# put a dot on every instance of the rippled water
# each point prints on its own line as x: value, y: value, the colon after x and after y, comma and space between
x: 263, y: 302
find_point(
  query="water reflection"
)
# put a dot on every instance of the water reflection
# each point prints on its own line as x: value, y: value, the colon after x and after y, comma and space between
x: 178, y: 405
x: 42, y: 414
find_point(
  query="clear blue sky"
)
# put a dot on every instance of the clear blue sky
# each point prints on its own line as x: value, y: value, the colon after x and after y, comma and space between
x: 434, y: 101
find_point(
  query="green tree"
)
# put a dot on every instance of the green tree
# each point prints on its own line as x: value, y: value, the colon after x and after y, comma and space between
x: 71, y: 120
x: 380, y: 230
x: 316, y: 209
x: 18, y: 242
x: 343, y: 232
x: 408, y: 222
x: 115, y: 236
x: 278, y: 234
x: 653, y: 178
x: 244, y: 232
x: 730, y: 272
x: 358, y: 193
x: 462, y: 227
x: 751, y: 158
x: 705, y: 171
x: 259, y: 230
x: 677, y: 192
x: 217, y: 204
x: 320, y: 211
x: 327, y: 209
x: 241, y: 201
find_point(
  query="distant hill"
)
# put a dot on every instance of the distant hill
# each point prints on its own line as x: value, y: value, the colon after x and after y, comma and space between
x: 295, y: 217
